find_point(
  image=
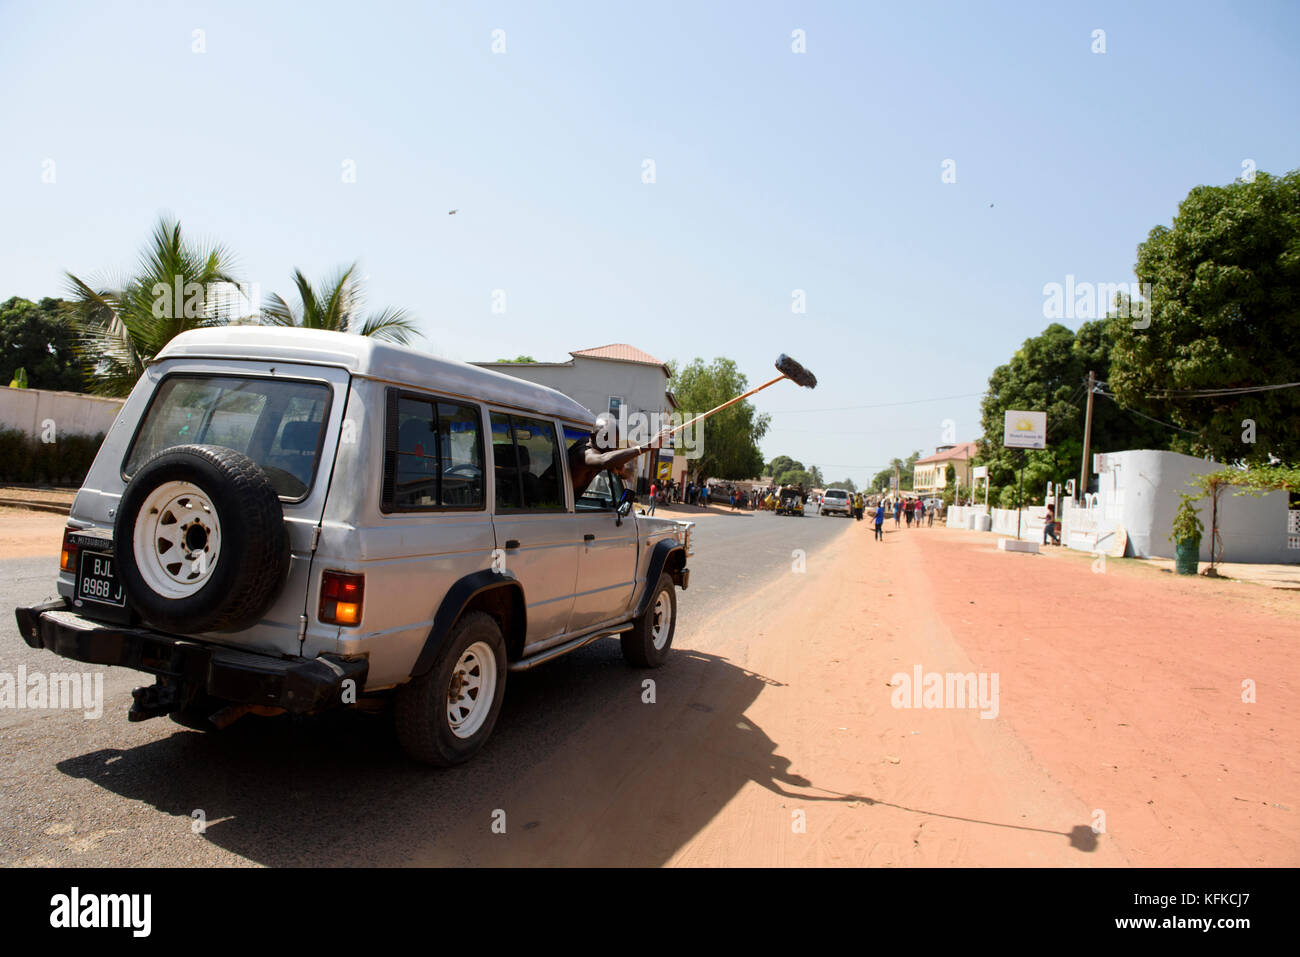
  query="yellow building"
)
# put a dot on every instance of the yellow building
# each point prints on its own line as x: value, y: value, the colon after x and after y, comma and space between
x: 929, y: 475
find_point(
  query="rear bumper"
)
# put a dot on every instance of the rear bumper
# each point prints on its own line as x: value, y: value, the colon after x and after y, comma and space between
x: 295, y: 684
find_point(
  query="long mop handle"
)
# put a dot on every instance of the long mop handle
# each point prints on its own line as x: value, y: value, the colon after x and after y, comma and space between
x: 729, y: 402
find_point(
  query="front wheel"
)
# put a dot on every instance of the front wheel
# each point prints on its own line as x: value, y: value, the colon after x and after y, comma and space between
x: 647, y: 644
x: 445, y: 716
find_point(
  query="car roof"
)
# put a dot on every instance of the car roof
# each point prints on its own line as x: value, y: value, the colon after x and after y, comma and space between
x: 374, y: 359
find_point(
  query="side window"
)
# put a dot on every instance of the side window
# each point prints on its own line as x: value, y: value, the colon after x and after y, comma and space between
x: 599, y: 496
x: 462, y: 455
x: 433, y: 457
x: 526, y: 461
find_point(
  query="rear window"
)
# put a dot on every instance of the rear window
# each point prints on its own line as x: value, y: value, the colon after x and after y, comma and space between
x: 837, y: 493
x: 278, y: 423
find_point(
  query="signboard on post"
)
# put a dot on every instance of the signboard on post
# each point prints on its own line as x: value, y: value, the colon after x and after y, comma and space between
x: 1024, y: 430
x: 980, y: 472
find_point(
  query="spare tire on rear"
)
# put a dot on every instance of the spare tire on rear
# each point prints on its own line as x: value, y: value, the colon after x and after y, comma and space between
x: 200, y: 540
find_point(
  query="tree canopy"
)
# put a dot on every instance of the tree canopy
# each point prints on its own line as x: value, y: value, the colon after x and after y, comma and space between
x: 177, y: 285
x: 1224, y: 313
x: 728, y: 441
x: 38, y: 337
x: 339, y: 306
x: 1048, y: 374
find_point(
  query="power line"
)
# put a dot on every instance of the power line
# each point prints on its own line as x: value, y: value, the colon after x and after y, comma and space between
x: 1122, y: 408
x: 1198, y: 393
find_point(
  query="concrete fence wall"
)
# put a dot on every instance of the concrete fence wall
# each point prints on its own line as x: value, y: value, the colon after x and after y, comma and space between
x: 1137, y: 492
x: 71, y: 413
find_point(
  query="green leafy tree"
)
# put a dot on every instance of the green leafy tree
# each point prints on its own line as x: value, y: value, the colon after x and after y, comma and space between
x: 949, y: 484
x: 905, y: 469
x: 1047, y: 374
x: 793, y: 477
x: 815, y: 477
x: 728, y: 443
x: 519, y: 359
x: 782, y: 463
x: 880, y: 481
x: 1224, y: 313
x: 38, y: 337
x: 177, y: 285
x: 846, y: 484
x: 338, y: 306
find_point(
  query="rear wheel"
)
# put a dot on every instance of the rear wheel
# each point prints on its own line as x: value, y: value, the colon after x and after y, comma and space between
x: 445, y: 716
x: 650, y: 639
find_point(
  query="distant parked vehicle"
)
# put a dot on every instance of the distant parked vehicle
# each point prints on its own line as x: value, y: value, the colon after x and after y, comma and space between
x: 837, y: 500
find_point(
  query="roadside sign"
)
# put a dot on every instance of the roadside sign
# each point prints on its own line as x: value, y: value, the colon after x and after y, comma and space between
x: 980, y: 472
x: 1024, y: 430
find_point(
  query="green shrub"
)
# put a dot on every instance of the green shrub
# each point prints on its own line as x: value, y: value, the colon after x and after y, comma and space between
x: 29, y: 461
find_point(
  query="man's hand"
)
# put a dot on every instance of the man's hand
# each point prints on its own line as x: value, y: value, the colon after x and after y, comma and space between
x: 658, y: 441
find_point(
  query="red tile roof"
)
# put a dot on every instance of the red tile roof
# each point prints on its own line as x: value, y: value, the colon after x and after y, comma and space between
x: 621, y: 351
x: 965, y: 450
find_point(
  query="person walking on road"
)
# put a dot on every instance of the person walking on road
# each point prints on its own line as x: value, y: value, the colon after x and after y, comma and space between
x: 654, y: 497
x: 920, y: 512
x: 880, y: 522
x: 1049, y: 526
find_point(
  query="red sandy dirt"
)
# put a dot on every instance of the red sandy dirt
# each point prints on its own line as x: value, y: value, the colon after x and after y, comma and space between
x: 1118, y: 694
x: 1126, y: 683
x: 26, y: 534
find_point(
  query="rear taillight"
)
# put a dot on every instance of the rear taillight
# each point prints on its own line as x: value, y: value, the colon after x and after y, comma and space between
x: 68, y: 557
x: 341, y: 596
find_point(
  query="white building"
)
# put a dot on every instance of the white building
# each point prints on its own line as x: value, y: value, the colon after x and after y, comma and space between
x: 1137, y: 491
x: 613, y: 378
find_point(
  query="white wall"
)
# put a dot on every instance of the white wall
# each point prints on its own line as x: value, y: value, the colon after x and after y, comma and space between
x: 72, y: 413
x: 1139, y: 492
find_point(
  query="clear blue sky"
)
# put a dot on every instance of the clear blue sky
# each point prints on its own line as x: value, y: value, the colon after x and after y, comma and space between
x: 775, y: 171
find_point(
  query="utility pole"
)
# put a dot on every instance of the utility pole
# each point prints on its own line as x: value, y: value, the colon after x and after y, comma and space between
x: 1087, y: 436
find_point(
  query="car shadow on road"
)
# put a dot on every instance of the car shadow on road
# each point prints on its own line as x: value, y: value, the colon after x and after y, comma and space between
x: 582, y: 765
x: 336, y: 788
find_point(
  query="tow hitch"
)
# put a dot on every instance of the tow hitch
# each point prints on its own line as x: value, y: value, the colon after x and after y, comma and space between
x: 155, y: 701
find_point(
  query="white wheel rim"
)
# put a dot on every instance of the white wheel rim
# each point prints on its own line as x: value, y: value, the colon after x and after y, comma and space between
x: 177, y: 539
x: 472, y: 688
x: 662, y: 622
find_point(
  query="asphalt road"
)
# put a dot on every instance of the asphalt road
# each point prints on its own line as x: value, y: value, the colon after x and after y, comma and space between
x: 335, y: 788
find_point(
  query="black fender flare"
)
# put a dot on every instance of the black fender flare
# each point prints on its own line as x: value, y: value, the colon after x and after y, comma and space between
x: 458, y: 596
x: 658, y: 560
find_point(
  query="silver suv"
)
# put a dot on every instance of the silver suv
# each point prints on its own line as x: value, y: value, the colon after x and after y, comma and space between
x: 288, y: 521
x: 836, y: 500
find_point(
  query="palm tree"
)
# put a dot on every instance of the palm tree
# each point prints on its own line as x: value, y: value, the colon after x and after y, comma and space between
x: 178, y: 285
x: 338, y: 307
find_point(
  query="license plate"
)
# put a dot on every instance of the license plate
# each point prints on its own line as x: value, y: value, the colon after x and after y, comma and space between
x: 97, y: 581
